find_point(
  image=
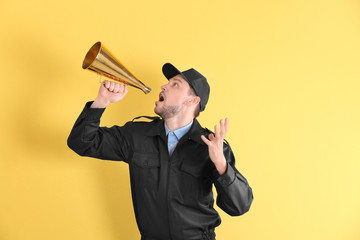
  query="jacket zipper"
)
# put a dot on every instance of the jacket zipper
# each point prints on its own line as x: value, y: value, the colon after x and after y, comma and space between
x: 167, y: 187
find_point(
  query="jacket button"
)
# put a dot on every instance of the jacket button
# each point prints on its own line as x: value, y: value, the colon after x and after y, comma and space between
x: 146, y: 163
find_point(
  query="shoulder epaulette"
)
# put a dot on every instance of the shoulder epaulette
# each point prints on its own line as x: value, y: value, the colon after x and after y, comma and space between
x: 207, y: 129
x: 151, y: 118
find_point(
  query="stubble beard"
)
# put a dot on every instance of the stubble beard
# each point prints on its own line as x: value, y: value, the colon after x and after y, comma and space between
x: 167, y: 112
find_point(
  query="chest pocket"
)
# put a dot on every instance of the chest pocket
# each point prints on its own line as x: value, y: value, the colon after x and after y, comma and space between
x: 146, y: 169
x: 195, y: 180
x: 146, y: 160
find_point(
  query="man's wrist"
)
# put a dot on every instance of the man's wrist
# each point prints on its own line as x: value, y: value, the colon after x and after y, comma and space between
x: 99, y: 103
x: 221, y: 166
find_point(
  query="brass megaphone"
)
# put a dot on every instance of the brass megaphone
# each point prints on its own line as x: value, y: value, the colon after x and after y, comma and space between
x: 100, y: 60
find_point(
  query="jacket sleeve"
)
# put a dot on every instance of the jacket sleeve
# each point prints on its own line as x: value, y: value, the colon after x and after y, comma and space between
x: 234, y: 195
x: 88, y: 139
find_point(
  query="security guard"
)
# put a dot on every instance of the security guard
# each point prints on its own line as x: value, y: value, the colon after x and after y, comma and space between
x: 173, y: 161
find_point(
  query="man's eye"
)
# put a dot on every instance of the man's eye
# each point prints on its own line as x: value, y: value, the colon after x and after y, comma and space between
x: 175, y: 84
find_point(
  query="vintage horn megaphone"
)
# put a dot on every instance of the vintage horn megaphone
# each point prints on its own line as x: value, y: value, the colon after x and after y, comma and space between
x: 100, y: 60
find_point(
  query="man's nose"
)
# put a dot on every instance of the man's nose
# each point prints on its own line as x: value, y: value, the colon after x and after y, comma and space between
x: 163, y: 87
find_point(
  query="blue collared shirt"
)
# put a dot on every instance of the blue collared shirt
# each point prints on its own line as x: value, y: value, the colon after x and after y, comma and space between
x: 175, y: 136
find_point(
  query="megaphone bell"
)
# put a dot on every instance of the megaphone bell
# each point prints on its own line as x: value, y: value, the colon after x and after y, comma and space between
x: 99, y: 59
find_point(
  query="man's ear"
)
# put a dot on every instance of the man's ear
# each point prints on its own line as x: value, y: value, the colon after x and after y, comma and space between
x: 194, y: 100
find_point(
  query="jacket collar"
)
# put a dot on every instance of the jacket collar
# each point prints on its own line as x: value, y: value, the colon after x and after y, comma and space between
x: 194, y: 133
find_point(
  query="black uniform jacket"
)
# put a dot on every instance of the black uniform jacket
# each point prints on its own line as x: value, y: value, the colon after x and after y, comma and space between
x: 172, y: 195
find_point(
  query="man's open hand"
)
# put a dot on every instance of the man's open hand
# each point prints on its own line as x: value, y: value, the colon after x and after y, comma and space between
x: 215, y: 145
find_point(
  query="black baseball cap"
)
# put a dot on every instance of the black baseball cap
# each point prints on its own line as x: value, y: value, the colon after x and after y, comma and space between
x: 197, y: 81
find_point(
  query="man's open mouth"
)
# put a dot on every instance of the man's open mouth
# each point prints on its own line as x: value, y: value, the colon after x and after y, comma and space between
x: 161, y: 97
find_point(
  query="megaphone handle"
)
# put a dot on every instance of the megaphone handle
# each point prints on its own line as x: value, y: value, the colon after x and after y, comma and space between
x: 100, y: 77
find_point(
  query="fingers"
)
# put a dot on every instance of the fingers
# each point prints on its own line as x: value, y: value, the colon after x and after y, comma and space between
x: 125, y: 90
x: 211, y: 137
x: 205, y: 140
x: 216, y: 131
x: 224, y: 125
x: 222, y: 129
x: 112, y: 86
x: 115, y: 87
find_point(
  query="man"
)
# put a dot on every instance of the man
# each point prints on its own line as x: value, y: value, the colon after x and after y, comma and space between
x: 173, y: 161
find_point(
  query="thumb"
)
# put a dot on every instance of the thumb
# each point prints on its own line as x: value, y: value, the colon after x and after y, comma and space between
x: 205, y: 140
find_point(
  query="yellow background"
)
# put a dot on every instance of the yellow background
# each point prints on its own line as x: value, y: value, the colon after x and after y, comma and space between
x: 286, y: 73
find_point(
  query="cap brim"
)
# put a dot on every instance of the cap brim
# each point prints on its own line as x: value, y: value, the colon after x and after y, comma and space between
x: 170, y: 71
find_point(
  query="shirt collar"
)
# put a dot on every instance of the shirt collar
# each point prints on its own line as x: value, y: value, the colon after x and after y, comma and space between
x: 194, y: 133
x: 180, y: 132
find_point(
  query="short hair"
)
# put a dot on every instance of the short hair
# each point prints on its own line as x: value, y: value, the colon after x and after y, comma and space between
x: 197, y: 109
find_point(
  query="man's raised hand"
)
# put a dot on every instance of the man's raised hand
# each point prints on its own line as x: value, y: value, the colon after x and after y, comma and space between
x: 215, y: 145
x: 109, y: 92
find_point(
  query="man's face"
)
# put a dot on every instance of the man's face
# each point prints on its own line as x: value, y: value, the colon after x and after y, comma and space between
x: 172, y: 97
